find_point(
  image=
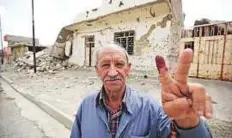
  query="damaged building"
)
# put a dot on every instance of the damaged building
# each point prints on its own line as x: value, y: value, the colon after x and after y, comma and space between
x: 145, y: 28
x: 211, y: 42
x: 18, y: 46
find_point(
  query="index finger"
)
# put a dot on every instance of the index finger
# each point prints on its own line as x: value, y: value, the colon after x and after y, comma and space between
x: 167, y: 83
x: 182, y: 70
x: 164, y: 76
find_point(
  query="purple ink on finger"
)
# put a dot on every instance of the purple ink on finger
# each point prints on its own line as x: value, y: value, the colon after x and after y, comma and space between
x: 160, y: 63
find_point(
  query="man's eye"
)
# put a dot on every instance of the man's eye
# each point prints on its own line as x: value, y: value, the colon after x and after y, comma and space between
x: 119, y: 65
x: 105, y: 65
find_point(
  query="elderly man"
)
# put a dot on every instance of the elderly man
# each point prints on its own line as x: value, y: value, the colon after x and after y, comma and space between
x: 117, y: 111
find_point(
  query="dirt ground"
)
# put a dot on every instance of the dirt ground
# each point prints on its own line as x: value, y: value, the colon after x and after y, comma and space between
x: 66, y: 89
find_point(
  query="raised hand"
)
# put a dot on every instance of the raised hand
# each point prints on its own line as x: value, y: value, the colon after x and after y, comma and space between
x: 181, y: 101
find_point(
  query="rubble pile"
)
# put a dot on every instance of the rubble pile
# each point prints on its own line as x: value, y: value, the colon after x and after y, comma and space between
x: 44, y: 63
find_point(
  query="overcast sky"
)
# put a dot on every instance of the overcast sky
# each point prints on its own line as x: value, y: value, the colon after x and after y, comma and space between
x: 52, y: 15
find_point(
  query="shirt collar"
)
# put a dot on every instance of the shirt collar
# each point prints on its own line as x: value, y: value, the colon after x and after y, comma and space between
x: 102, y: 104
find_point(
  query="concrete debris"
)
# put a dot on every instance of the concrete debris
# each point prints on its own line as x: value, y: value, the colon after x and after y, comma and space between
x: 91, y: 82
x: 44, y: 63
x: 92, y: 78
x: 67, y: 86
x: 142, y: 83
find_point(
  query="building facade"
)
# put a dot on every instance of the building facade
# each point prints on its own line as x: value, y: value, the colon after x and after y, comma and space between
x: 145, y: 28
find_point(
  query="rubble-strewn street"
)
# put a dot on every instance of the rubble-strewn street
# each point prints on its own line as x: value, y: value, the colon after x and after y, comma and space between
x: 66, y: 89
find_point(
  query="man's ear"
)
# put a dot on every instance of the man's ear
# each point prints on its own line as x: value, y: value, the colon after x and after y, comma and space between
x: 128, y: 69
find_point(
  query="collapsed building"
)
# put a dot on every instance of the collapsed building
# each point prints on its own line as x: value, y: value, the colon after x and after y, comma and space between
x: 145, y: 28
x: 19, y: 45
x: 19, y: 52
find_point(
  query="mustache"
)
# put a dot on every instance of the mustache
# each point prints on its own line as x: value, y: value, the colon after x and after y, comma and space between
x: 112, y: 78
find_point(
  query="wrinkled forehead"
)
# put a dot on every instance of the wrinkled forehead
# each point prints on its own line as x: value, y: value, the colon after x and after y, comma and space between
x: 111, y: 53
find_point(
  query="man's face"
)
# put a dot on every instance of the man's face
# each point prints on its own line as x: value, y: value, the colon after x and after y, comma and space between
x: 113, y: 69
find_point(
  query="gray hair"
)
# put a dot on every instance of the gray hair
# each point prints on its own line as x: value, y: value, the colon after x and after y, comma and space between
x: 109, y: 46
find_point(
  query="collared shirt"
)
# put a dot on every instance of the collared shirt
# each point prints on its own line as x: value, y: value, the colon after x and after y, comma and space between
x: 144, y: 118
x: 112, y: 117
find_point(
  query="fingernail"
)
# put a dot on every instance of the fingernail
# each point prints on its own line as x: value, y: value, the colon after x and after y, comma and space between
x: 160, y: 63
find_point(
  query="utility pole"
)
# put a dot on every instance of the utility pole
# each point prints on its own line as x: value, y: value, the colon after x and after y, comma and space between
x: 33, y: 33
x: 1, y: 63
x: 2, y: 56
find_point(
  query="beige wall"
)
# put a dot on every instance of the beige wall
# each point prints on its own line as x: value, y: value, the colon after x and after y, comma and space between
x: 212, y: 60
x: 108, y: 8
x: 18, y: 51
x: 152, y: 34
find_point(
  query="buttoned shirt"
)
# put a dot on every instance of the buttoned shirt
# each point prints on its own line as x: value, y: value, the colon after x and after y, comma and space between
x: 143, y: 118
x: 112, y: 117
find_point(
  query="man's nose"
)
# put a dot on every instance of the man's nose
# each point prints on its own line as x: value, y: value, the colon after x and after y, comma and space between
x: 112, y: 71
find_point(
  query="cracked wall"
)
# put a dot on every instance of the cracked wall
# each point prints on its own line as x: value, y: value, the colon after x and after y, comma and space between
x: 152, y: 33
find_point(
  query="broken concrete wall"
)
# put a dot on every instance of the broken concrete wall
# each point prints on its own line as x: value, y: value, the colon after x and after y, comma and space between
x: 18, y: 51
x: 12, y: 39
x: 78, y: 55
x: 58, y: 49
x: 150, y: 23
x: 111, y: 6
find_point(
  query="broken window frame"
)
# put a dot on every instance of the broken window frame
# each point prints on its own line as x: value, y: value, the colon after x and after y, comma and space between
x: 90, y: 41
x: 128, y: 38
x: 89, y: 44
x: 189, y: 44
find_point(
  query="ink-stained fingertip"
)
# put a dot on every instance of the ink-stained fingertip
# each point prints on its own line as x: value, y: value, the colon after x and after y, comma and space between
x: 160, y: 62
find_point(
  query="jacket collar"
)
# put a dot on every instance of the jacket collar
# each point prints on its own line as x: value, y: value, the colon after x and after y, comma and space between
x: 129, y: 100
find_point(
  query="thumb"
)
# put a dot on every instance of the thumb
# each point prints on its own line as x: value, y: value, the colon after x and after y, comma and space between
x: 178, y: 108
